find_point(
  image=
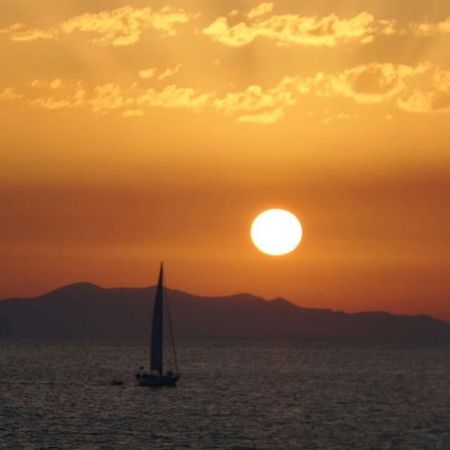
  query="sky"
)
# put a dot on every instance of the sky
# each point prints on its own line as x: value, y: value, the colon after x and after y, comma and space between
x: 139, y: 131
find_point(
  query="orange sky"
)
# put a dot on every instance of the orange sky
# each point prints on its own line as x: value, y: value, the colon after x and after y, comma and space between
x: 139, y: 131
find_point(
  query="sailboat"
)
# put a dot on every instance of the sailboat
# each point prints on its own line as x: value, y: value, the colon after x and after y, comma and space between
x: 157, y: 377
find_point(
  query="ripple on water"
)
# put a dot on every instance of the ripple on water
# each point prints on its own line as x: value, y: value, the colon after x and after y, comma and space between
x: 233, y: 395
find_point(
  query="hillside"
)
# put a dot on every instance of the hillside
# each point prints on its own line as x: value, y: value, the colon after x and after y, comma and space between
x: 87, y: 310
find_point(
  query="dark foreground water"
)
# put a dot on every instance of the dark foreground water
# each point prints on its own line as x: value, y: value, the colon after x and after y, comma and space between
x: 233, y: 394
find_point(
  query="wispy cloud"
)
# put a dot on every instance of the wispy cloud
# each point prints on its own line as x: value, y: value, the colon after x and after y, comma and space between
x: 133, y: 113
x: 52, y: 103
x: 432, y: 28
x: 263, y: 118
x: 74, y: 99
x: 9, y: 93
x: 260, y: 10
x: 54, y: 94
x: 117, y: 27
x: 125, y: 26
x: 256, y: 104
x: 293, y: 29
x: 174, y: 96
x: 32, y: 34
x: 109, y: 97
x: 432, y: 97
x: 423, y: 88
x: 366, y: 84
x: 56, y: 83
x: 169, y: 72
x: 146, y: 74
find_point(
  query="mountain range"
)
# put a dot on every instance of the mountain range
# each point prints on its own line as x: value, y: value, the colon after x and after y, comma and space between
x: 87, y: 310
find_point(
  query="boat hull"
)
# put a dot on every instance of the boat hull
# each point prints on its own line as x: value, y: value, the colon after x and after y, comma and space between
x: 157, y: 380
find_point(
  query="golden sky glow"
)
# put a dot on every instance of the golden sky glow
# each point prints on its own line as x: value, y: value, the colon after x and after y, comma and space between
x: 135, y: 131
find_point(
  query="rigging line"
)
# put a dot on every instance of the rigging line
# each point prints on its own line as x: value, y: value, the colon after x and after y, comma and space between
x: 169, y: 316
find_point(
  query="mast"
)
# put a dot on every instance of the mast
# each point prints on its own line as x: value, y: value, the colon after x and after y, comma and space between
x: 156, y: 347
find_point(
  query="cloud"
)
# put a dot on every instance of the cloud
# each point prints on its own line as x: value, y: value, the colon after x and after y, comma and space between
x: 19, y: 32
x: 108, y: 97
x: 56, y: 94
x: 9, y: 93
x: 256, y: 99
x: 256, y: 104
x: 260, y: 10
x: 145, y: 74
x: 11, y: 28
x: 170, y: 72
x: 423, y: 88
x: 173, y: 96
x: 124, y: 26
x: 51, y: 103
x: 264, y: 118
x: 33, y: 34
x: 366, y: 84
x: 292, y: 29
x: 426, y: 102
x: 117, y: 27
x: 432, y: 29
x: 133, y: 113
x: 56, y: 83
x: 75, y: 99
x: 431, y: 97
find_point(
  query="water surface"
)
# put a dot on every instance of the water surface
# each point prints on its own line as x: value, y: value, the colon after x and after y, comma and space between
x: 233, y: 394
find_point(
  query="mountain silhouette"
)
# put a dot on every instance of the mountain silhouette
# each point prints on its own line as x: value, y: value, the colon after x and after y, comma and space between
x: 87, y: 310
x: 5, y: 327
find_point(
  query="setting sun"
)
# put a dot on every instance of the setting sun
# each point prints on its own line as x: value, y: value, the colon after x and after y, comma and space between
x: 276, y: 232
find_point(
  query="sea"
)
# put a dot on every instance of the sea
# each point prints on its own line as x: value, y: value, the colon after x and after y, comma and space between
x: 233, y: 394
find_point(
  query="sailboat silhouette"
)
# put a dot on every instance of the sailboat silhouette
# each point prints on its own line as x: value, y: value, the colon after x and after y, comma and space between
x: 157, y: 377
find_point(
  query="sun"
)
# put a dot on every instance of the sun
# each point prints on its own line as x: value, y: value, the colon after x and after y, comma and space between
x: 276, y: 232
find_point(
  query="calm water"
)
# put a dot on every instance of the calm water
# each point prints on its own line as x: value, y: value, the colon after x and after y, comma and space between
x: 233, y: 394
